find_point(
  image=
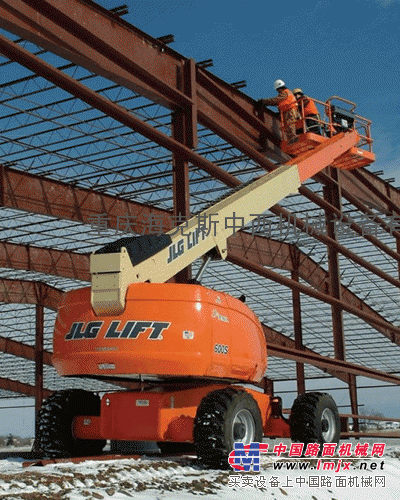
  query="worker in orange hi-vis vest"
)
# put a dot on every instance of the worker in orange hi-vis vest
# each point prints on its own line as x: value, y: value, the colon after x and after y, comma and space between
x: 309, y: 111
x: 287, y: 105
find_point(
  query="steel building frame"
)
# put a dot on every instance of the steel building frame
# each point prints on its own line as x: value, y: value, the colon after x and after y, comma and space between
x: 105, y: 120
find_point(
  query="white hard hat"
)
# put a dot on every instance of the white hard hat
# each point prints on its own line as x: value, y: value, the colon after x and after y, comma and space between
x: 278, y: 84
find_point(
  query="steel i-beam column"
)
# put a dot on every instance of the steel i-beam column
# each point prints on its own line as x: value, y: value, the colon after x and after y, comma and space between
x: 180, y: 180
x: 298, y: 334
x: 268, y: 386
x: 184, y: 130
x: 39, y: 347
x: 332, y: 196
x: 354, y: 401
x: 398, y: 251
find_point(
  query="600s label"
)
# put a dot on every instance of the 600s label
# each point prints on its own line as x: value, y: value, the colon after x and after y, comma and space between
x: 221, y: 349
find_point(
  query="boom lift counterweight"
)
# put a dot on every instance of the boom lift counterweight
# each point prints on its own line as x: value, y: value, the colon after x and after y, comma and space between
x: 190, y: 346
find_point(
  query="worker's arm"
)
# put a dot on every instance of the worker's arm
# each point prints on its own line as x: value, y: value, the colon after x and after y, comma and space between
x: 272, y: 101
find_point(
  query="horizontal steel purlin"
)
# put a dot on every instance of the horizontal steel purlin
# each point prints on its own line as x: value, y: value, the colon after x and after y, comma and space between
x: 357, y: 228
x: 325, y: 362
x: 283, y: 280
x: 353, y: 191
x: 21, y: 350
x: 271, y: 253
x: 9, y: 346
x: 387, y: 194
x: 301, y: 224
x: 275, y: 338
x: 350, y: 183
x: 24, y: 191
x: 45, y: 260
x: 21, y: 388
x: 29, y: 292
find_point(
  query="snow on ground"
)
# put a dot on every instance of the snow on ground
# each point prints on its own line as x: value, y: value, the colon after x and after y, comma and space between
x: 158, y: 478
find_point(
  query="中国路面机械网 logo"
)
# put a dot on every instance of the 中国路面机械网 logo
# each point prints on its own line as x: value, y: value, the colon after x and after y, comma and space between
x: 243, y: 457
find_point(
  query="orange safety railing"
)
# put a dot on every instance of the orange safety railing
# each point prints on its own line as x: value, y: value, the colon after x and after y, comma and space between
x: 327, y: 124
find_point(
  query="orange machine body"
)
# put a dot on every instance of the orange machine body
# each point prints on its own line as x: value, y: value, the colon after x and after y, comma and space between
x: 158, y: 415
x: 166, y: 330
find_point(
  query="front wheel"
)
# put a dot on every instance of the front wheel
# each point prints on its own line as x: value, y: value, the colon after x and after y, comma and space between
x: 223, y: 418
x: 314, y: 418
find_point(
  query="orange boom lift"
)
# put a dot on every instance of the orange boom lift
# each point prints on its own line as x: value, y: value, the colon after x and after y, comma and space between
x: 198, y: 355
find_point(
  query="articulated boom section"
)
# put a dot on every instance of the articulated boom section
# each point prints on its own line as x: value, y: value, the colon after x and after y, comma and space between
x: 113, y: 272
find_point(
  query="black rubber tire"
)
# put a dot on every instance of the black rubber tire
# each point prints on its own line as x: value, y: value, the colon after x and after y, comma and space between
x: 314, y: 418
x: 56, y: 417
x: 214, y: 434
x: 169, y: 447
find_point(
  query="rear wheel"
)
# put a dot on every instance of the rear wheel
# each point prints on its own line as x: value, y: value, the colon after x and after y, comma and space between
x: 315, y: 418
x: 223, y: 418
x: 56, y: 416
